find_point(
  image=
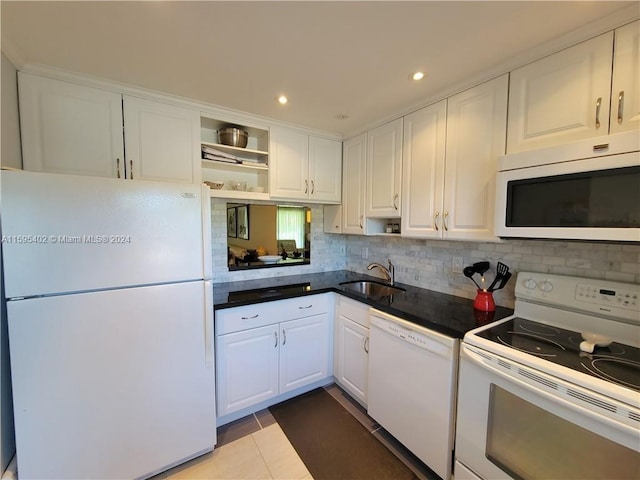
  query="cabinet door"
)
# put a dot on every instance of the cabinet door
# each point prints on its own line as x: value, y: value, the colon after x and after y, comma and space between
x: 325, y: 170
x: 162, y: 141
x: 423, y: 156
x: 562, y: 98
x: 625, y: 101
x: 246, y: 368
x: 288, y: 164
x: 384, y: 170
x: 305, y: 352
x: 353, y: 184
x: 353, y: 358
x: 68, y: 128
x: 476, y: 132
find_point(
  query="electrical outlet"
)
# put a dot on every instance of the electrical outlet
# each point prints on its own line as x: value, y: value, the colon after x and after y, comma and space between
x: 456, y: 264
x: 365, y: 253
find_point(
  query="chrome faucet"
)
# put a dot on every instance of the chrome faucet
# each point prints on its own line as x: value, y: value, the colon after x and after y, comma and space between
x: 389, y: 273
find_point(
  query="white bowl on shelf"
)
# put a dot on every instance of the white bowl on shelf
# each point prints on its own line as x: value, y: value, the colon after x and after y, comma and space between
x: 269, y: 258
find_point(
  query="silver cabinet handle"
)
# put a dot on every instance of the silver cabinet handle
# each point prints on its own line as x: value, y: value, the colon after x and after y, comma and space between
x: 620, y: 105
x: 304, y: 308
x: 313, y: 187
x: 276, y: 334
x: 366, y: 344
x: 395, y: 201
x: 284, y: 337
x: 435, y: 221
x: 444, y: 221
x: 249, y: 318
x: 598, y: 103
x: 361, y: 218
x: 118, y: 166
x: 306, y: 187
x: 131, y: 172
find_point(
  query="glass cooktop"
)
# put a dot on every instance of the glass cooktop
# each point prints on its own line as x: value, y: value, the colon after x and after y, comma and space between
x: 616, y: 363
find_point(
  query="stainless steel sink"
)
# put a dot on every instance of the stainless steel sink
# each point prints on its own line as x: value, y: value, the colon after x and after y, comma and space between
x: 370, y: 288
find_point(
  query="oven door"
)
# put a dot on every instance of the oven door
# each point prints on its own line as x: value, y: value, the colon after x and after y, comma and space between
x: 589, y: 199
x: 516, y: 422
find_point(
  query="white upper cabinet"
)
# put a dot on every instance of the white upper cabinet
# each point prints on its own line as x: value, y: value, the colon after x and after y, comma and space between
x: 450, y: 159
x: 561, y: 98
x: 304, y: 167
x: 625, y: 91
x: 69, y: 128
x: 325, y: 165
x: 289, y: 164
x: 162, y: 141
x: 384, y: 170
x: 353, y: 180
x: 476, y: 132
x: 423, y: 157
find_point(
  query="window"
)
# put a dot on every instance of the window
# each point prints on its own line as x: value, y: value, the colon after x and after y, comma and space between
x: 291, y: 225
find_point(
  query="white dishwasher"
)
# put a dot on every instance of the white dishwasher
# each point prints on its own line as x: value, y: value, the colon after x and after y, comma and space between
x: 412, y: 382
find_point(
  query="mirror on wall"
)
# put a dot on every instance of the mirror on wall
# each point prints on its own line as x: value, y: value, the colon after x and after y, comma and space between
x: 260, y: 236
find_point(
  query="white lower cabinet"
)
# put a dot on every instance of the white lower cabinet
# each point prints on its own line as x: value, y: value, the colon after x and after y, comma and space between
x: 269, y: 349
x: 352, y: 348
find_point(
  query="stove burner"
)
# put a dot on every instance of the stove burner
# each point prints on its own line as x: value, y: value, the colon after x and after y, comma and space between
x: 610, y: 369
x: 539, y: 329
x: 533, y: 344
x: 618, y: 364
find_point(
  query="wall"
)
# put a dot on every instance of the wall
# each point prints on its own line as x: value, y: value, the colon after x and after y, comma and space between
x: 327, y: 251
x: 427, y: 263
x: 262, y: 229
x: 11, y: 156
x: 11, y: 150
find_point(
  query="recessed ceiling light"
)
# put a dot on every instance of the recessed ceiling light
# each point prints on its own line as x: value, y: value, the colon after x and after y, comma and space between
x: 417, y: 76
x: 282, y: 99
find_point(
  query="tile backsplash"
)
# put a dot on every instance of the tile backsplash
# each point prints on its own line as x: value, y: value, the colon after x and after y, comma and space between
x: 428, y: 263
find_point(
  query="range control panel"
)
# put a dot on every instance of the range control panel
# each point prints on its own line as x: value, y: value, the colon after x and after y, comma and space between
x: 615, y: 299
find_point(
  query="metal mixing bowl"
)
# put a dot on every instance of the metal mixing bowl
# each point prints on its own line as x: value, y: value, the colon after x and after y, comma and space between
x: 234, y: 137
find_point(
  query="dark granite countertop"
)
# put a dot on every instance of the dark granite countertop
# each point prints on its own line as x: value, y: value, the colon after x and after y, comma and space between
x: 443, y: 313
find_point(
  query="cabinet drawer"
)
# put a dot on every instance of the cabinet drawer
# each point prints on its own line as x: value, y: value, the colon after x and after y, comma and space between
x: 354, y: 310
x: 268, y: 313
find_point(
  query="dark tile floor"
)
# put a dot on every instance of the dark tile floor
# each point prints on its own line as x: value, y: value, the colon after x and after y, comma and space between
x: 252, y: 423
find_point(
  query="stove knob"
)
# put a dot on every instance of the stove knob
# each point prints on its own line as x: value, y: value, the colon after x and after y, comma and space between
x: 530, y: 283
x: 546, y: 286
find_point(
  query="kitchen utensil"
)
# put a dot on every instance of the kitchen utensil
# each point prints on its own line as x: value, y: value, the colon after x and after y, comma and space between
x: 501, y: 271
x: 481, y: 268
x: 503, y: 282
x: 469, y: 272
x: 232, y: 136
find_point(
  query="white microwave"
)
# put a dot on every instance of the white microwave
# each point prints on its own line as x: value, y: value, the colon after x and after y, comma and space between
x: 588, y: 190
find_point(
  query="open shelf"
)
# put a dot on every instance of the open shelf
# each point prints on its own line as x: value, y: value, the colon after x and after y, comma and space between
x: 241, y: 153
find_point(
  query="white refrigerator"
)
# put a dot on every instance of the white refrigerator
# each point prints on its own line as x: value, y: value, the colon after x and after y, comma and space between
x: 109, y: 304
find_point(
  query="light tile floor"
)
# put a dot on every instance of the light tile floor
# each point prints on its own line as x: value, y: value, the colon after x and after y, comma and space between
x: 256, y: 448
x: 264, y: 454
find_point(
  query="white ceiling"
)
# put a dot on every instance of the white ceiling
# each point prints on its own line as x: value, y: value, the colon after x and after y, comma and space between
x: 330, y: 58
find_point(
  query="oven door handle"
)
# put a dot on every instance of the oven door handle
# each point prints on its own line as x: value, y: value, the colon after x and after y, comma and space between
x: 558, y: 398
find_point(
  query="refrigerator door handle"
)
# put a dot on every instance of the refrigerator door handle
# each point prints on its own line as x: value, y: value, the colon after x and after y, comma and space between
x: 208, y: 325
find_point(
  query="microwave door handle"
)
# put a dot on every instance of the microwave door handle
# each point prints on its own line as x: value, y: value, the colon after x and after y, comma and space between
x: 478, y: 360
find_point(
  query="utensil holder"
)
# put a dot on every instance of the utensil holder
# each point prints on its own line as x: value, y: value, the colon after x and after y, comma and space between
x: 484, y: 301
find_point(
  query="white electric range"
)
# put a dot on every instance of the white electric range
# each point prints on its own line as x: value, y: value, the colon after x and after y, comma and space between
x: 554, y: 390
